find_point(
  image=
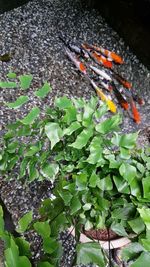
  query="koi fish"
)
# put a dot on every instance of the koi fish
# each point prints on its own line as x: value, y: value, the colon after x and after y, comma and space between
x: 101, y: 59
x: 122, y: 101
x: 101, y: 73
x: 98, y: 58
x: 139, y: 100
x: 111, y: 55
x: 79, y: 65
x: 106, y: 86
x: 74, y: 48
x: 111, y: 105
x: 136, y: 115
x: 121, y: 80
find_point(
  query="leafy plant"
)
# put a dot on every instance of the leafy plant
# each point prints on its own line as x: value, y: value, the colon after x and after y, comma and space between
x: 101, y: 179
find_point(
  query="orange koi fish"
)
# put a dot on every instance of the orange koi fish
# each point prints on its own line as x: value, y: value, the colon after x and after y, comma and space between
x: 121, y: 80
x: 136, y: 115
x: 80, y: 66
x: 98, y: 58
x: 122, y: 101
x: 101, y: 59
x: 111, y: 105
x: 112, y: 55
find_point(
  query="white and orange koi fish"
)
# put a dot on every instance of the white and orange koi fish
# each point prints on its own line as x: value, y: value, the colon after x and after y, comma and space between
x: 79, y: 65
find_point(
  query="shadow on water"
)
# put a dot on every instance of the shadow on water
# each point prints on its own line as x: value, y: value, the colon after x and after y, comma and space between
x: 6, y: 5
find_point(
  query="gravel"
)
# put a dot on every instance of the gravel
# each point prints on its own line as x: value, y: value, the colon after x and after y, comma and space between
x: 30, y: 33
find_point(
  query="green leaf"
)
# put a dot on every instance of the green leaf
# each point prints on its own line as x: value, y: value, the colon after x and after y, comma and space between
x: 50, y: 171
x: 75, y: 205
x: 82, y: 139
x: 131, y: 251
x: 43, y: 228
x: 24, y: 222
x: 145, y: 215
x: 88, y: 225
x: 94, y: 179
x: 1, y: 221
x: 32, y: 150
x: 25, y: 81
x: 146, y: 187
x: 18, y: 103
x: 95, y: 150
x: 87, y: 115
x: 63, y: 102
x: 128, y: 172
x: 105, y: 183
x: 81, y: 181
x: 24, y: 262
x: 78, y: 102
x: 32, y: 171
x: 53, y: 132
x: 101, y: 111
x: 24, y: 247
x: 137, y: 225
x: 12, y: 147
x: 135, y: 188
x: 146, y: 244
x: 143, y: 260
x: 12, y: 255
x: 32, y: 115
x: 42, y: 92
x: 72, y: 128
x: 66, y: 196
x: 49, y: 245
x: 70, y: 115
x: 12, y: 258
x: 8, y: 85
x: 87, y: 206
x: 44, y: 264
x: 108, y: 125
x: 125, y: 153
x: 118, y: 229
x: 11, y: 75
x: 128, y: 140
x: 90, y: 253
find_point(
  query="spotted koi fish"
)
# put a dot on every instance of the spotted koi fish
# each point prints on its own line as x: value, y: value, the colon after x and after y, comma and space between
x: 79, y: 65
x: 122, y: 80
x: 98, y: 58
x: 122, y: 101
x: 112, y: 55
x: 111, y: 105
x: 109, y: 54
